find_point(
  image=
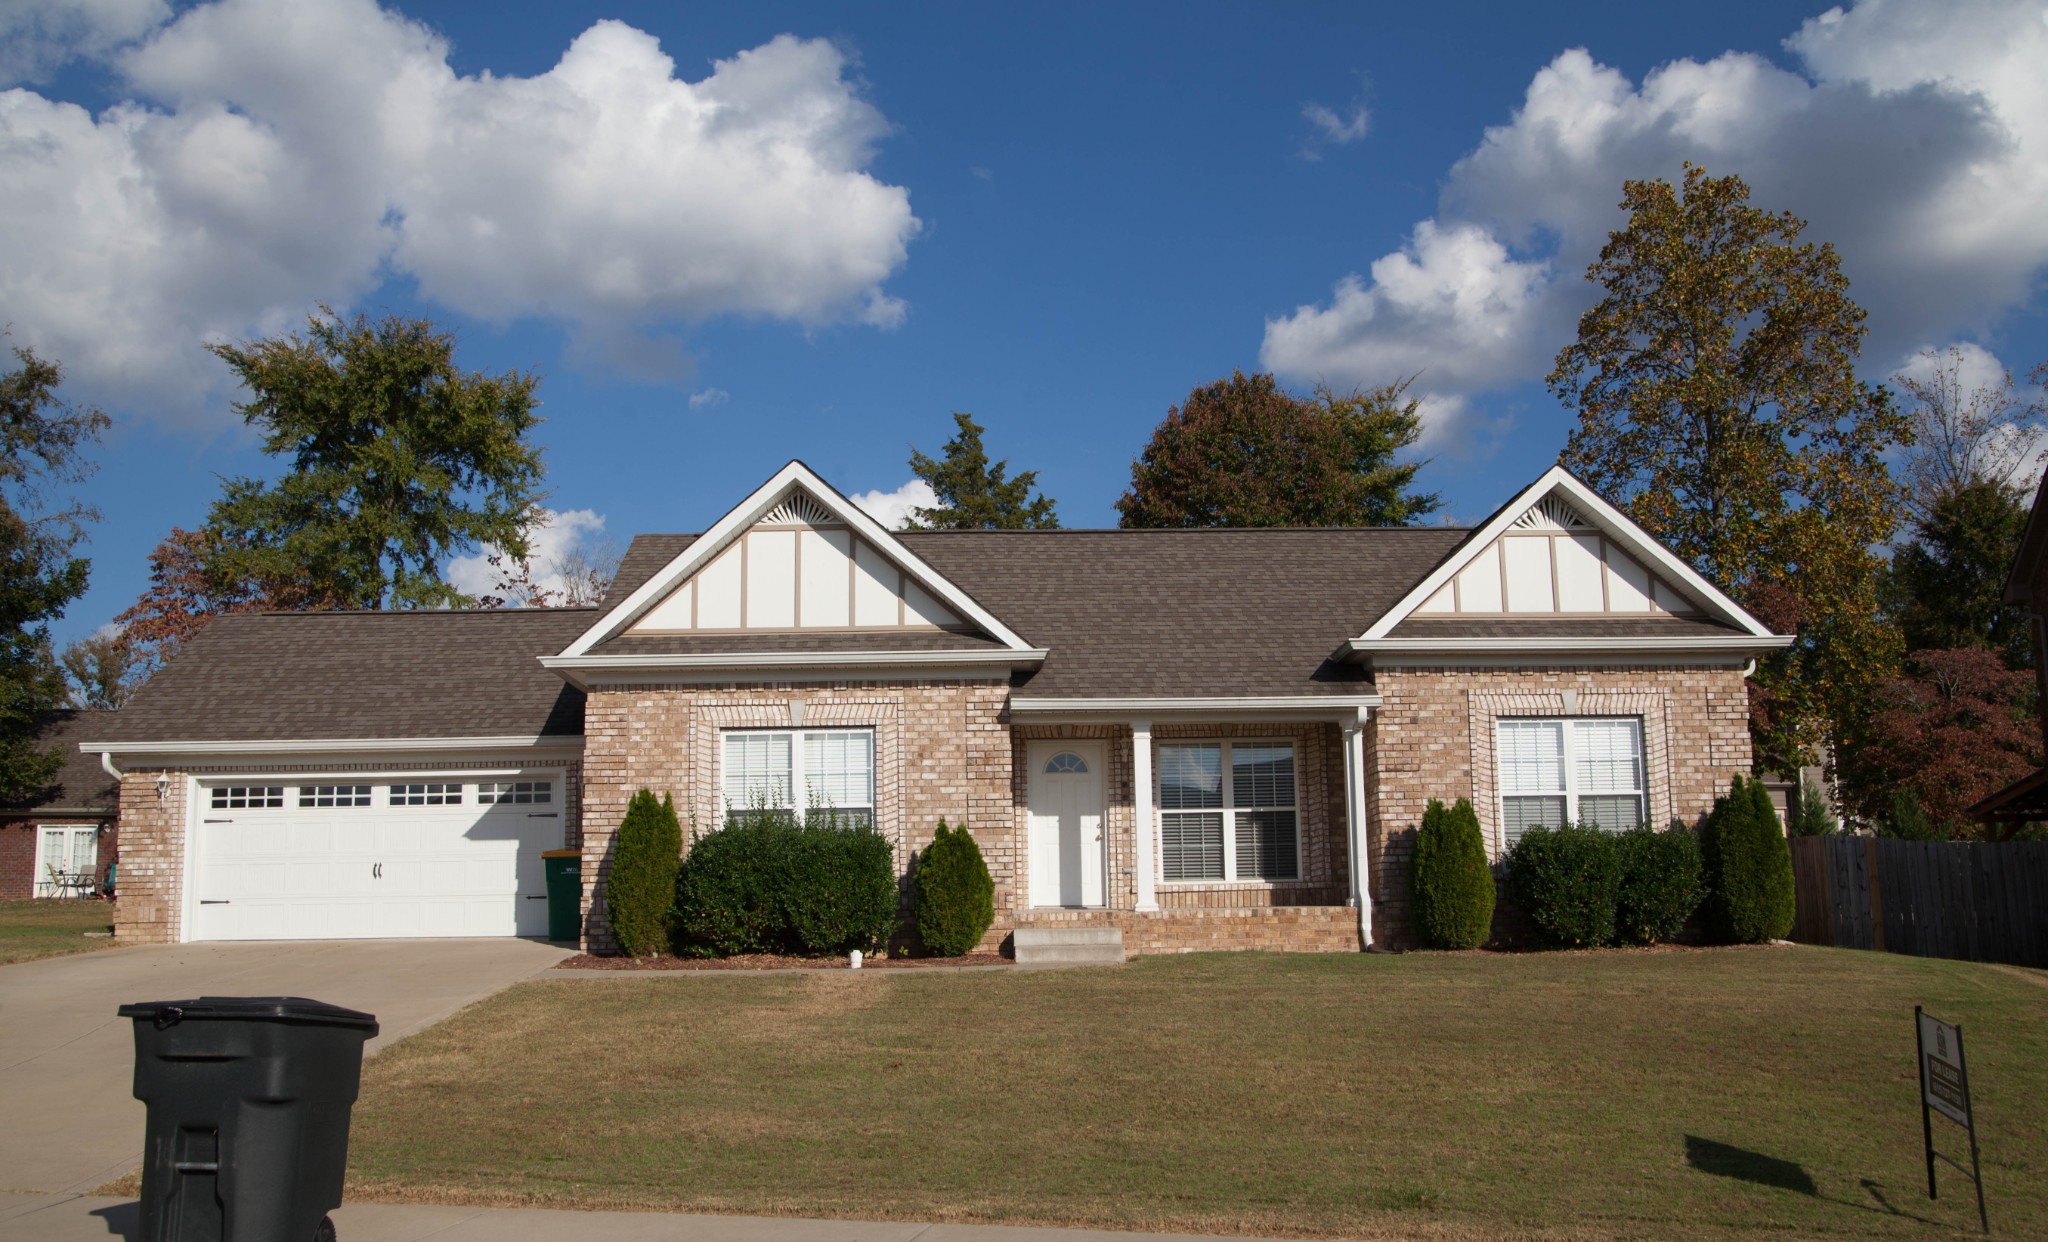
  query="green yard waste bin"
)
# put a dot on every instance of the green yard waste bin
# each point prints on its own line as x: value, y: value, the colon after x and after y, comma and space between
x: 565, y: 893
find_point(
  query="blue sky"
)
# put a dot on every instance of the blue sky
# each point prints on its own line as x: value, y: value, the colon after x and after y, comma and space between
x: 815, y: 230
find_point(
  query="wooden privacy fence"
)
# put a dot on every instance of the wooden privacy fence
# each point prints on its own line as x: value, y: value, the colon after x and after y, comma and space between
x: 1973, y: 900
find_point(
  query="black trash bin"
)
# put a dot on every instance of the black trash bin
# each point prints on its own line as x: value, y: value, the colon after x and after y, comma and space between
x: 249, y: 1098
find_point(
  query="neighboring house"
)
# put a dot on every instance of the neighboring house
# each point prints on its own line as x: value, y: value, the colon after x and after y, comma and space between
x: 1190, y: 735
x: 68, y: 831
x: 2026, y: 799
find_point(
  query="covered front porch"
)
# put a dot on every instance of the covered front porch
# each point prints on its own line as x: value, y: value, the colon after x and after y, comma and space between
x: 1194, y: 826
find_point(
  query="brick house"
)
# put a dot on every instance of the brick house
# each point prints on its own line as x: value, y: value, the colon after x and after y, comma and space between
x: 1188, y: 735
x: 52, y: 841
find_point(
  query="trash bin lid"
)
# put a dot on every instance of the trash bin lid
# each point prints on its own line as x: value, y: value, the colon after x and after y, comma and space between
x: 297, y: 1009
x: 561, y: 853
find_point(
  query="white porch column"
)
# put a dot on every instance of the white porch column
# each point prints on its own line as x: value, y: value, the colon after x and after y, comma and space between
x: 1142, y: 817
x: 1355, y: 821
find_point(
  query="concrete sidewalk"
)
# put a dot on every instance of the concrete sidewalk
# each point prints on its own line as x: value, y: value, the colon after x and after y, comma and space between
x: 65, y: 1218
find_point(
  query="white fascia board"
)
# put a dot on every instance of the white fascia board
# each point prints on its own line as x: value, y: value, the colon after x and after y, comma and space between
x: 566, y: 744
x: 1611, y: 522
x: 793, y: 476
x: 1395, y: 652
x: 1318, y: 705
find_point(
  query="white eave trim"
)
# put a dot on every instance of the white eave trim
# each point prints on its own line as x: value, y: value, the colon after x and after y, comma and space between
x: 1610, y: 521
x: 568, y: 743
x: 1346, y: 705
x: 792, y: 477
x: 1536, y: 649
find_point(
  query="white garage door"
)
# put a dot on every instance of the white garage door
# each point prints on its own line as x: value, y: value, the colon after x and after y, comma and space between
x: 356, y: 859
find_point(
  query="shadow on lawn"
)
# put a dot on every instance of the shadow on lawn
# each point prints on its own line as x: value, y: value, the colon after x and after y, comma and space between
x: 1744, y: 1165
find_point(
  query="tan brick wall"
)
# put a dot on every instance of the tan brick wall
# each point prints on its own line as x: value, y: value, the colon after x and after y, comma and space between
x: 151, y: 881
x: 1433, y: 737
x: 1290, y: 929
x: 150, y: 892
x: 942, y: 750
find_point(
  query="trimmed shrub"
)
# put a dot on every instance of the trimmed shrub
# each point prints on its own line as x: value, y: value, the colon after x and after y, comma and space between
x: 1565, y: 879
x: 1453, y: 884
x: 646, y: 853
x: 1662, y: 883
x: 766, y: 883
x: 956, y: 896
x: 1749, y: 866
x: 1814, y: 819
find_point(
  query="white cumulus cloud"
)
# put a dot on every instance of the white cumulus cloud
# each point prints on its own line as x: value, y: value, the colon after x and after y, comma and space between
x: 276, y: 155
x: 558, y: 533
x: 1334, y: 128
x: 38, y: 37
x: 709, y: 397
x: 893, y: 509
x: 1914, y: 141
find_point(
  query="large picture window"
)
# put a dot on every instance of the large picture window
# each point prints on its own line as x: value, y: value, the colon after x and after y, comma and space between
x: 827, y: 771
x: 1227, y: 811
x: 1555, y: 772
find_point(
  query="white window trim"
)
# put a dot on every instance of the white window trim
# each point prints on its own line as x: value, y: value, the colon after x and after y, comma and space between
x: 1571, y: 790
x: 799, y: 786
x: 41, y: 884
x: 1229, y: 812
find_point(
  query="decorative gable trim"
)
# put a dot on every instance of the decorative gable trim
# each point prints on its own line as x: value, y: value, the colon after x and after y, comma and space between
x: 799, y: 495
x: 1554, y: 502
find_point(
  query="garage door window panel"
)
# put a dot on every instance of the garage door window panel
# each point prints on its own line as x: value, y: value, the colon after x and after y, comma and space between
x: 519, y: 793
x: 427, y: 794
x: 247, y: 797
x: 334, y: 795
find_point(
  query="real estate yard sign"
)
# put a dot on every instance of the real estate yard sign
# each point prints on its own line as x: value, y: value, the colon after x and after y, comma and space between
x: 1945, y: 1089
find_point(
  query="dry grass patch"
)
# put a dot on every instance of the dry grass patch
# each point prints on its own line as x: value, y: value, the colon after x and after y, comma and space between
x: 1619, y: 1094
x: 47, y: 928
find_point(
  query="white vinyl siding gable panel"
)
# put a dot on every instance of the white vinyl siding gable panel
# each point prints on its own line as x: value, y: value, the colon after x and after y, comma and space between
x: 875, y: 601
x: 771, y: 580
x: 825, y: 583
x: 718, y: 592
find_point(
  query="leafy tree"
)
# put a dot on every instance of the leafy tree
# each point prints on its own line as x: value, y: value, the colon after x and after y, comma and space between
x: 1813, y: 819
x: 102, y: 670
x: 1244, y: 452
x: 1986, y: 434
x: 974, y: 495
x: 1454, y: 891
x: 1718, y: 402
x: 188, y: 588
x: 42, y: 443
x: 1956, y: 727
x: 1947, y: 585
x: 397, y: 461
x: 578, y: 575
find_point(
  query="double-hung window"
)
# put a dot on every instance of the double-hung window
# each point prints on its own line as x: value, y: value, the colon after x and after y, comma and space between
x: 829, y: 772
x: 1556, y: 772
x: 1227, y: 811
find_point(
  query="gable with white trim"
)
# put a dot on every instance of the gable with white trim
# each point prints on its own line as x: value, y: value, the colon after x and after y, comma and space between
x: 1559, y: 549
x: 796, y: 555
x: 798, y: 569
x: 1551, y: 560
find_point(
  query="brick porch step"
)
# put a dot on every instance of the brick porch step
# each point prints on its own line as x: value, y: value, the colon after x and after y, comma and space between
x: 1068, y: 946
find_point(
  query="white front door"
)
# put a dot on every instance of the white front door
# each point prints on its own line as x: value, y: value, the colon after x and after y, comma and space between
x: 1068, y: 843
x: 364, y: 859
x: 63, y: 852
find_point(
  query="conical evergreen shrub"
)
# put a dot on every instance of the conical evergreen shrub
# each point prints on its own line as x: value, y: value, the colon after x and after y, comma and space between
x: 956, y: 896
x: 1749, y: 866
x: 646, y: 853
x: 1453, y: 885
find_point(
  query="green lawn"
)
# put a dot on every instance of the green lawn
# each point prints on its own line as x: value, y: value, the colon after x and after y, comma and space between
x: 46, y: 928
x: 1635, y: 1094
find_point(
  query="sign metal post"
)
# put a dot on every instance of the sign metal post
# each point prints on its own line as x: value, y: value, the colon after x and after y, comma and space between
x: 1945, y: 1089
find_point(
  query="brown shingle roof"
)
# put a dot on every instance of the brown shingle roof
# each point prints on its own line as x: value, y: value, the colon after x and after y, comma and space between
x: 1187, y: 613
x: 312, y: 675
x: 82, y: 785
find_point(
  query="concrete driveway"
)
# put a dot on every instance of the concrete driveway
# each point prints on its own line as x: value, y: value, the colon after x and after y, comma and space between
x: 67, y: 1062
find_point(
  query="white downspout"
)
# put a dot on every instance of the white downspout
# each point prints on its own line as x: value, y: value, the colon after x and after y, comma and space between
x: 1355, y: 822
x: 107, y: 763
